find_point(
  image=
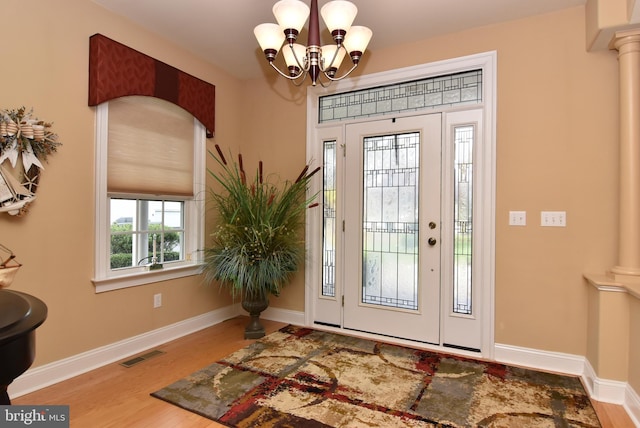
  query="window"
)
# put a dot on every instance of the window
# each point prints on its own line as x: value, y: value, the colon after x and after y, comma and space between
x: 146, y: 232
x: 329, y: 220
x: 150, y: 174
x: 463, y: 219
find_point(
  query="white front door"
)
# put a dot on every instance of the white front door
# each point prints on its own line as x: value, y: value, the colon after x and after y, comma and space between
x: 392, y: 227
x: 403, y: 243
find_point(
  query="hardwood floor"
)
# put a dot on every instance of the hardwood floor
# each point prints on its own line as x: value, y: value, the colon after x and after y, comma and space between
x: 115, y: 396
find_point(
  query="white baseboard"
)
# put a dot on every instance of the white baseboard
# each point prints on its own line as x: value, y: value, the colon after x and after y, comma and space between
x: 604, y: 390
x: 607, y: 391
x: 276, y: 314
x: 632, y: 405
x: 284, y: 315
x: 49, y: 374
x: 541, y: 360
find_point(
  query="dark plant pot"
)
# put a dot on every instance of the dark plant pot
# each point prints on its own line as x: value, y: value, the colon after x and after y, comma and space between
x: 254, y: 305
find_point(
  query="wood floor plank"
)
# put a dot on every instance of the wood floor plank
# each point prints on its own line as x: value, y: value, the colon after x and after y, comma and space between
x: 116, y: 396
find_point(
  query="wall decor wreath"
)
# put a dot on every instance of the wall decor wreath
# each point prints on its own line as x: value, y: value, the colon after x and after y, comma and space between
x: 26, y: 138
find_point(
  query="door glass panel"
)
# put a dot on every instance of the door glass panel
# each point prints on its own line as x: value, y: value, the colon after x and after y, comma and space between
x: 390, y: 220
x: 329, y: 224
x: 463, y: 213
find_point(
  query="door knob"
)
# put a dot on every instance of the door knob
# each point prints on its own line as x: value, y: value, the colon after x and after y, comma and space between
x: 432, y: 241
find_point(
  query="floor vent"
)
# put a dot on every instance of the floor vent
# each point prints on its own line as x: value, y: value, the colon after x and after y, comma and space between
x: 132, y: 362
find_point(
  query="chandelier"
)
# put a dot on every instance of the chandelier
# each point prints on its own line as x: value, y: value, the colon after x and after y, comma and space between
x: 313, y: 60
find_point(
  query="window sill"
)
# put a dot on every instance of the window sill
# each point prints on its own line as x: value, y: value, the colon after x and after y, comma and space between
x: 147, y: 277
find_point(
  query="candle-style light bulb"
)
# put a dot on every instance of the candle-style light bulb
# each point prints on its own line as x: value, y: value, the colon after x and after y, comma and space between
x: 154, y: 248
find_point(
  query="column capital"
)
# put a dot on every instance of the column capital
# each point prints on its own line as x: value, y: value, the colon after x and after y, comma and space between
x: 623, y: 37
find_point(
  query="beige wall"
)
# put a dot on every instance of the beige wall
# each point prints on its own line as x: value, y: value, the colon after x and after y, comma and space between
x: 45, y: 57
x: 556, y: 150
x: 277, y: 136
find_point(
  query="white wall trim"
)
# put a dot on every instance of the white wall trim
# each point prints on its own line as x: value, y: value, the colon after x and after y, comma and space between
x: 632, y: 405
x: 604, y: 390
x: 541, y: 360
x: 284, y: 315
x: 608, y: 391
x: 57, y: 371
x: 611, y: 391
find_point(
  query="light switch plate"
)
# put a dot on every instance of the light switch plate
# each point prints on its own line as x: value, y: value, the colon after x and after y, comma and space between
x: 517, y: 218
x: 553, y: 218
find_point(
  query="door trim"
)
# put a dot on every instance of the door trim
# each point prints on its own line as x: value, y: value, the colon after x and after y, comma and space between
x: 487, y: 62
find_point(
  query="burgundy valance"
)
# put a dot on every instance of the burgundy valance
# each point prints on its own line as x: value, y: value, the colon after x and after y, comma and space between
x: 116, y: 70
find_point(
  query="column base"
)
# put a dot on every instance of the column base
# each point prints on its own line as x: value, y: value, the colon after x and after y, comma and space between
x: 625, y: 274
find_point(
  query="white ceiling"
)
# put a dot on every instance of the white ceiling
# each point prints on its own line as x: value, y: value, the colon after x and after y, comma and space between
x: 221, y: 31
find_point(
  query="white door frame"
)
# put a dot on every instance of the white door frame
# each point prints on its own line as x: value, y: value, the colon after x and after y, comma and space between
x: 486, y: 159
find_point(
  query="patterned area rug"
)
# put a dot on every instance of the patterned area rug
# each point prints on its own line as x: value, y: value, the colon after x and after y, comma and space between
x: 299, y: 377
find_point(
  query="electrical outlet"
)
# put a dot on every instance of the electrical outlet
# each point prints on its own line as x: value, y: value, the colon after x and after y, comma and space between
x: 553, y: 218
x: 157, y: 300
x: 517, y: 218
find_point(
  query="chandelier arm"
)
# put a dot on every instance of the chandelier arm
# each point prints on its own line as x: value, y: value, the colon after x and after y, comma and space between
x: 335, y: 79
x: 333, y: 58
x: 292, y: 78
x: 304, y: 66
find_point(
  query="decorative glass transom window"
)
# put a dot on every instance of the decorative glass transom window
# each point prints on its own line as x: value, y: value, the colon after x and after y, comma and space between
x: 434, y: 92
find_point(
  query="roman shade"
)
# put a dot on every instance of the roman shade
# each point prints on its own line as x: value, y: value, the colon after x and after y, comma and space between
x: 150, y: 147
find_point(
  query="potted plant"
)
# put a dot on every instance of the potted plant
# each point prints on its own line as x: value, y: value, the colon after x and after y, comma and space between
x: 257, y: 244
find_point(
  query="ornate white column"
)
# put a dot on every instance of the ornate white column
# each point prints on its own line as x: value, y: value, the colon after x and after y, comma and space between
x: 627, y: 43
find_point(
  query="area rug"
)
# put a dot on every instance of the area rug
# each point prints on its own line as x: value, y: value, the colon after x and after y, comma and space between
x: 301, y: 377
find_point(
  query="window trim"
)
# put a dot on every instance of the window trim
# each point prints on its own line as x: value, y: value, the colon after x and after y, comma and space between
x: 104, y: 278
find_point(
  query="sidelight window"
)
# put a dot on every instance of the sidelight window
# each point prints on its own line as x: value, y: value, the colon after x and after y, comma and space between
x: 463, y: 219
